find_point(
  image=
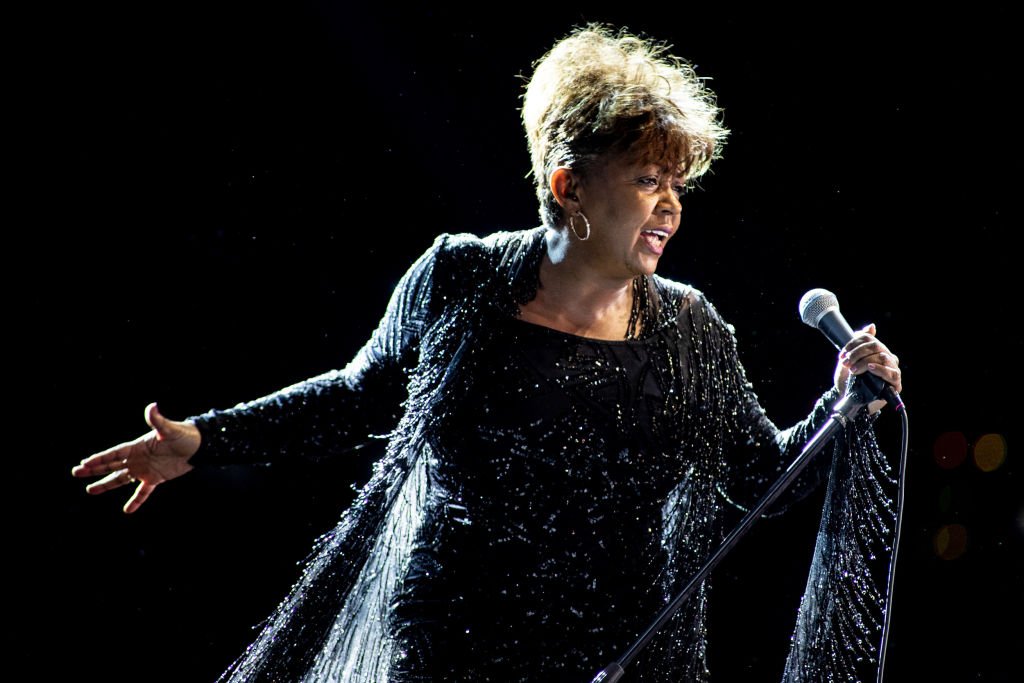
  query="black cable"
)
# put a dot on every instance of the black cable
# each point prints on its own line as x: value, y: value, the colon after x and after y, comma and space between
x: 895, y: 541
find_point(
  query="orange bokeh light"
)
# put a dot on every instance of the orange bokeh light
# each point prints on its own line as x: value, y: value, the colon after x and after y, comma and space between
x: 951, y: 541
x: 990, y: 452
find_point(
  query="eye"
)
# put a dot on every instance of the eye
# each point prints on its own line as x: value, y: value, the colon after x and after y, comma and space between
x: 680, y: 190
x: 650, y: 181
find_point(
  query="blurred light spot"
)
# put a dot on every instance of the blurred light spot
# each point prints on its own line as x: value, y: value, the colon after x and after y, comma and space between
x: 990, y: 452
x: 950, y: 449
x: 951, y: 541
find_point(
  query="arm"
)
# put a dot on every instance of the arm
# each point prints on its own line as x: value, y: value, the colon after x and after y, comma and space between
x: 340, y: 410
x: 332, y: 413
x: 757, y: 450
x: 841, y: 608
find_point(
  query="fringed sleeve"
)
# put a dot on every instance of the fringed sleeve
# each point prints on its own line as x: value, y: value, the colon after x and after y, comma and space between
x: 335, y: 615
x: 839, y: 623
x: 758, y: 452
x: 338, y: 411
x: 838, y: 626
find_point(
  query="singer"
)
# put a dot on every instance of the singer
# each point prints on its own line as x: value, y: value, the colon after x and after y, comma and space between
x: 566, y: 430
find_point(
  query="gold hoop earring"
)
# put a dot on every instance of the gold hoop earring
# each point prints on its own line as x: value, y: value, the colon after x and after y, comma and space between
x: 572, y: 226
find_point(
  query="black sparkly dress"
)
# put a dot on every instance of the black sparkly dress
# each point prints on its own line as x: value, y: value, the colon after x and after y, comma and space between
x: 559, y: 462
x: 544, y: 494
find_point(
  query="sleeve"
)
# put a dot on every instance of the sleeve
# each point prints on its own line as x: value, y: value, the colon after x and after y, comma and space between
x: 339, y: 411
x: 841, y: 610
x: 758, y: 452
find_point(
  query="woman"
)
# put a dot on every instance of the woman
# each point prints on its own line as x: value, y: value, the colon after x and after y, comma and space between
x: 564, y: 428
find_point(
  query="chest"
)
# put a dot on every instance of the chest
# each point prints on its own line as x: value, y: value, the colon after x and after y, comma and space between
x: 541, y: 402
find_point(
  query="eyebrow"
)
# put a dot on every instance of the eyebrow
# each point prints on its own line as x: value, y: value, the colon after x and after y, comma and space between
x: 663, y: 171
x: 678, y: 172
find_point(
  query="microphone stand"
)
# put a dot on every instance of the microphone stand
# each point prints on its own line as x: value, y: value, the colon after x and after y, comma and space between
x: 858, y: 394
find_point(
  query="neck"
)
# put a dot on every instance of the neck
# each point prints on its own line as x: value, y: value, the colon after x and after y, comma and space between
x: 577, y: 297
x: 570, y: 270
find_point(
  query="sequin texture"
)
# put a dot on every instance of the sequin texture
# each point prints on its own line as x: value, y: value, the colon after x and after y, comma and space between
x: 543, y: 494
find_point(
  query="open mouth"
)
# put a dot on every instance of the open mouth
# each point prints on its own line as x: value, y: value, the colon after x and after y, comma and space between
x: 655, y: 239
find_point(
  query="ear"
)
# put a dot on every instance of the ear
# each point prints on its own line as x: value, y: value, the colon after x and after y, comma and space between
x: 565, y: 186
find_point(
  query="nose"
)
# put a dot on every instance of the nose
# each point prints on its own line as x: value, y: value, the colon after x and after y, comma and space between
x: 669, y: 202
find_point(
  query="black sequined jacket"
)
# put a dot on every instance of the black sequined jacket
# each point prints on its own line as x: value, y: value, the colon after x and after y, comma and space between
x: 334, y: 624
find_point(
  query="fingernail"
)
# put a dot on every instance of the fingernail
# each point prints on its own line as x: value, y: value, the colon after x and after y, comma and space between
x: 872, y: 366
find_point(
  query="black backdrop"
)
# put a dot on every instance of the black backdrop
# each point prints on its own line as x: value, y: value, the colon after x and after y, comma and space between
x: 219, y: 200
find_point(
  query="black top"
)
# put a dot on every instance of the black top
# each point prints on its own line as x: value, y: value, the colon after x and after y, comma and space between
x: 542, y: 493
x: 558, y: 475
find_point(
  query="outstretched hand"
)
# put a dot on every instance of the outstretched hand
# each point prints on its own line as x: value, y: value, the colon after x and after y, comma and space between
x: 864, y: 353
x: 160, y: 455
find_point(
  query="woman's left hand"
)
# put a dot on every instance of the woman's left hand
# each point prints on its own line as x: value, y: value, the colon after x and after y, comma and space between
x: 864, y: 353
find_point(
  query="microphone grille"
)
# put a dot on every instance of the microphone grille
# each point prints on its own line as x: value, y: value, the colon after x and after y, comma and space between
x: 815, y: 303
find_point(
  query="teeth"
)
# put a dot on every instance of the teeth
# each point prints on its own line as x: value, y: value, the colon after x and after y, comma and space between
x: 660, y: 234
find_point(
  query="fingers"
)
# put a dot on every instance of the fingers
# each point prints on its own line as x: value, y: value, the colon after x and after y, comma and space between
x: 113, y: 480
x: 861, y: 337
x: 864, y: 348
x: 117, y: 464
x: 110, y: 460
x: 114, y: 458
x: 891, y: 374
x: 123, y: 478
x: 140, y: 496
x: 882, y: 359
x: 885, y: 365
x: 865, y: 353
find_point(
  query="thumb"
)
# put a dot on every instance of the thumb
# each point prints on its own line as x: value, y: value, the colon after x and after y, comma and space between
x: 156, y: 420
x: 870, y: 329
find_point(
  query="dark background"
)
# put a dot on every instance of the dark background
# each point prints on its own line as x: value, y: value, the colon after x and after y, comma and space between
x: 218, y: 200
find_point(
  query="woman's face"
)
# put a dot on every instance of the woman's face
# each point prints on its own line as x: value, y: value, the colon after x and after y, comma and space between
x: 633, y: 206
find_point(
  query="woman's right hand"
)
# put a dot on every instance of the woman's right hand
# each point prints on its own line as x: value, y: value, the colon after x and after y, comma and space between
x: 160, y: 455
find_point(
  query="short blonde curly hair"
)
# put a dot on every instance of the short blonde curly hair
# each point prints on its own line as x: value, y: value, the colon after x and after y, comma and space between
x: 597, y: 92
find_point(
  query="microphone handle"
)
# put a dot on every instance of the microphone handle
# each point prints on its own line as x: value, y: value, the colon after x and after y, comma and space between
x: 839, y: 332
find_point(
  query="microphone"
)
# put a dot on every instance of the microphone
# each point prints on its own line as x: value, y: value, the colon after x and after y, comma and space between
x: 820, y: 308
